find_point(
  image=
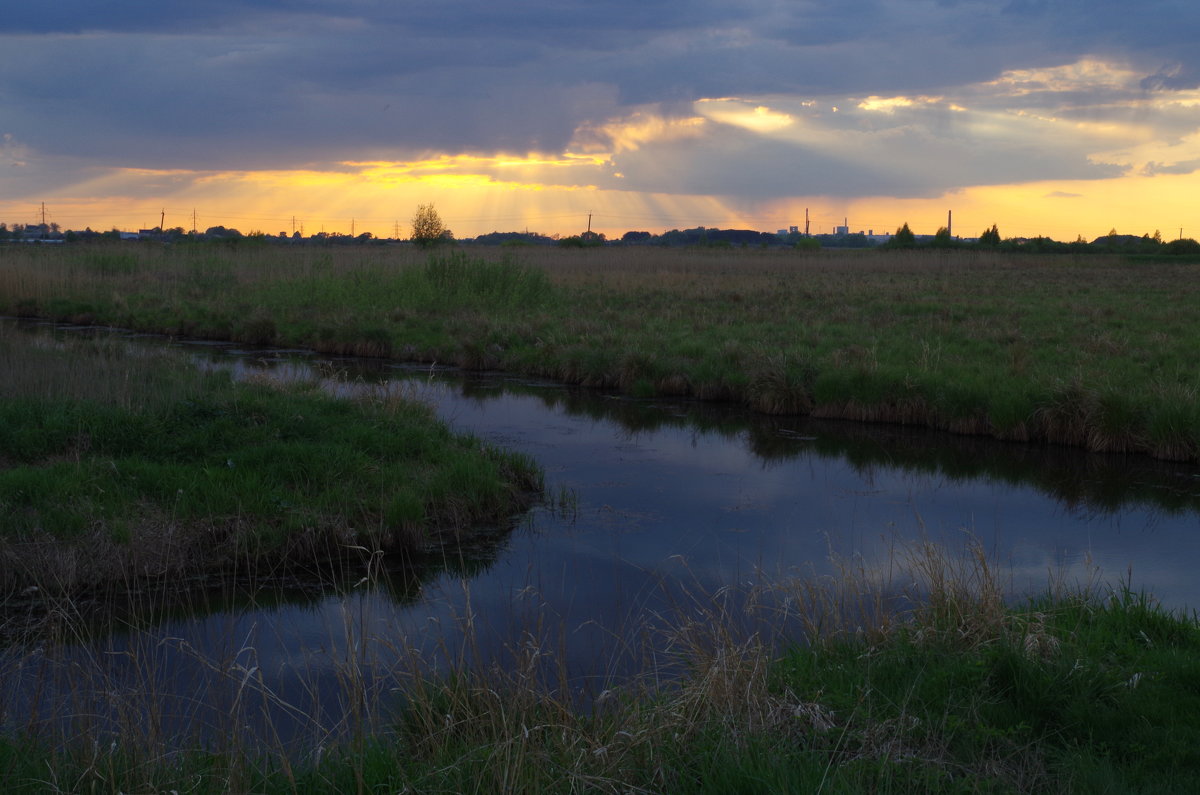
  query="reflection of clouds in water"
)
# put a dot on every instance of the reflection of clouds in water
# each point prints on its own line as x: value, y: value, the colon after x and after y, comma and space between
x: 717, y: 504
x: 661, y: 508
x: 657, y: 491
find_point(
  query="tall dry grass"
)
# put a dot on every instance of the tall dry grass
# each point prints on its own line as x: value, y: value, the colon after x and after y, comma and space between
x: 102, y: 369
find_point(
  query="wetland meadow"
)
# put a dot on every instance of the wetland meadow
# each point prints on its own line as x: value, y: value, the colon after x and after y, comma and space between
x: 1096, y: 351
x: 628, y: 519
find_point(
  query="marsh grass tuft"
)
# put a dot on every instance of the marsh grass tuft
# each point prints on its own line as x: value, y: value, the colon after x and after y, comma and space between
x: 459, y: 279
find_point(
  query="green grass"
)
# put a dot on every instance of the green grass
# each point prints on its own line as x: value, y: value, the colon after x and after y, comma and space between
x: 1094, y: 351
x: 131, y: 457
x: 1075, y: 696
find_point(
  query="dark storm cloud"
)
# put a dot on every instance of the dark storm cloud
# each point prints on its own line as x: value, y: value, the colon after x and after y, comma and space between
x: 286, y: 83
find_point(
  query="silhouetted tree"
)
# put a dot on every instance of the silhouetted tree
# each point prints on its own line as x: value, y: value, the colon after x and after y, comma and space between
x: 1183, y: 246
x: 990, y: 237
x: 586, y: 240
x: 513, y: 239
x: 427, y: 227
x: 904, y: 237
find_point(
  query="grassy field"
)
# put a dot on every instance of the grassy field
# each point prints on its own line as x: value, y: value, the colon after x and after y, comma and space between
x: 119, y: 463
x: 914, y: 675
x: 911, y: 677
x: 1092, y: 351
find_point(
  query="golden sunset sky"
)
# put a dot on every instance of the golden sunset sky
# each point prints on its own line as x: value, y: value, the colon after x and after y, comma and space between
x: 1059, y: 118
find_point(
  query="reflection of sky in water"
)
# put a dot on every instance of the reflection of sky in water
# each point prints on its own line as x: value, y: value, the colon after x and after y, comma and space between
x: 670, y: 505
x: 647, y: 496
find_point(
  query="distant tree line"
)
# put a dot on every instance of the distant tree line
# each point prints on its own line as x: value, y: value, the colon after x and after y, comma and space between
x: 428, y: 230
x: 1112, y: 243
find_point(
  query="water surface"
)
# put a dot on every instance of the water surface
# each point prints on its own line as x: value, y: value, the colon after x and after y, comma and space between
x: 648, y: 501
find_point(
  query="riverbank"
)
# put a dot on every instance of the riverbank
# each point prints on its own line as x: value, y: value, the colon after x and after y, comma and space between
x: 1090, y: 351
x: 120, y: 465
x: 918, y: 678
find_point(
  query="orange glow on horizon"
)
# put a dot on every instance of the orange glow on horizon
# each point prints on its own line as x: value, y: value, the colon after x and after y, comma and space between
x: 476, y: 203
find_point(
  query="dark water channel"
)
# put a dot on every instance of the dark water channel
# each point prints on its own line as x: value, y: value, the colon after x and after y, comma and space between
x: 645, y: 497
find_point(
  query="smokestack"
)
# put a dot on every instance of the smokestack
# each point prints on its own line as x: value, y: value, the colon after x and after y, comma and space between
x: 950, y: 222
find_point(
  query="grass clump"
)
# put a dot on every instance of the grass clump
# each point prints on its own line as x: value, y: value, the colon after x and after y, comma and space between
x: 119, y: 463
x: 458, y: 279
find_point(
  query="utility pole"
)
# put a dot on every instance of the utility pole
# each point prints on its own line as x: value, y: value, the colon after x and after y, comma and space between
x: 351, y: 227
x: 193, y: 221
x: 589, y: 223
x: 162, y: 219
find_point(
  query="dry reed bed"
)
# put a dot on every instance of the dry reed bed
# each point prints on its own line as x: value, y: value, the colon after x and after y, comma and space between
x: 1092, y: 351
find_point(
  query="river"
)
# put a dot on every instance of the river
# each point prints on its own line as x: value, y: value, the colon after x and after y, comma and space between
x: 650, y: 504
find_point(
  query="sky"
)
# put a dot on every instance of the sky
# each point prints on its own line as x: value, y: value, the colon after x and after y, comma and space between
x: 1045, y: 117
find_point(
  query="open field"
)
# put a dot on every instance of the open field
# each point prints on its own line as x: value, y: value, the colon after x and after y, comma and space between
x: 912, y: 676
x: 119, y: 464
x: 1089, y: 351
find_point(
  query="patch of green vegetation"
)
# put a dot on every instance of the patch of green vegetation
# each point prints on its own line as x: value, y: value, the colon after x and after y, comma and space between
x: 972, y: 340
x: 1073, y: 688
x: 232, y: 466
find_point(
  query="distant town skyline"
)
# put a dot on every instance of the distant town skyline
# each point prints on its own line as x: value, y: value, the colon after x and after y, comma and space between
x: 1060, y: 119
x: 842, y: 236
x: 298, y: 228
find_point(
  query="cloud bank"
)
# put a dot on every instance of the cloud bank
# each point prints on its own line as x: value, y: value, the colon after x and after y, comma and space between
x: 757, y: 101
